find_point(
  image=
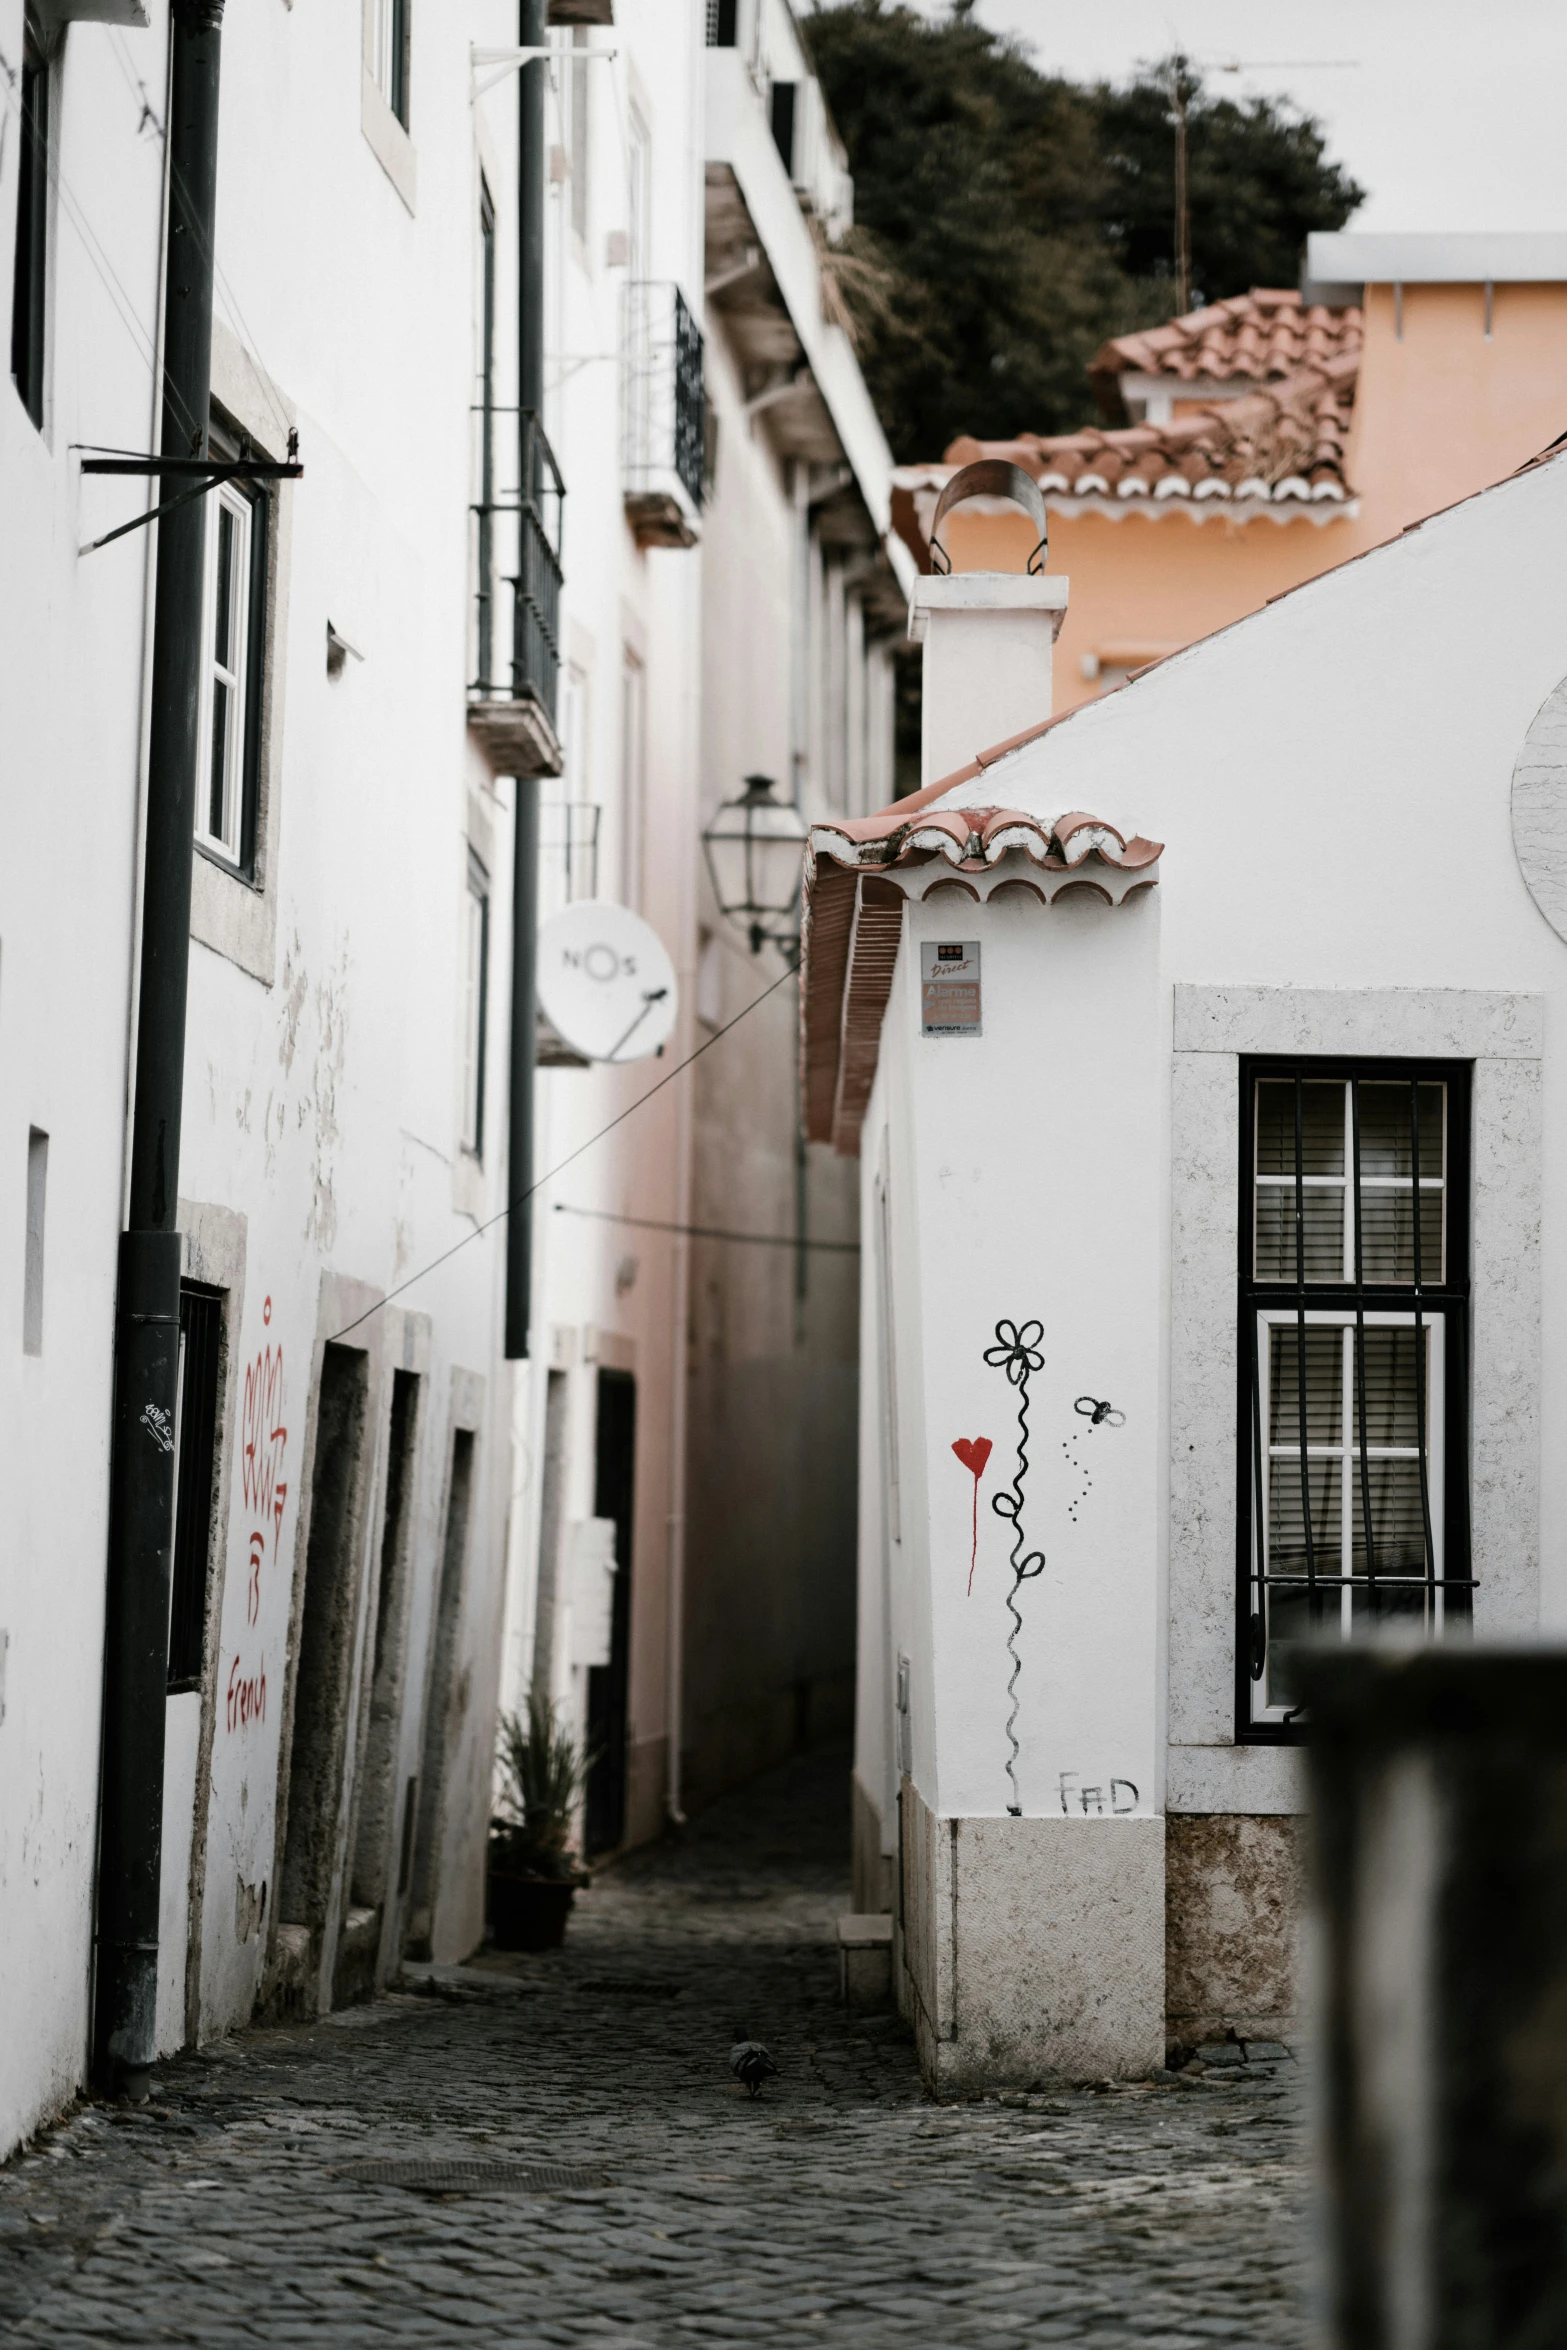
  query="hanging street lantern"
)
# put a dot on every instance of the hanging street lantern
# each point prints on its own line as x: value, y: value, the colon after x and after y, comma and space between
x: 754, y: 848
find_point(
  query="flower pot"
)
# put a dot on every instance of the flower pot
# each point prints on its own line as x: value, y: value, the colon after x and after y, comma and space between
x: 528, y: 1913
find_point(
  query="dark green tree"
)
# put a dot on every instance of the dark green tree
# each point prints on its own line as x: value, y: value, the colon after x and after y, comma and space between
x: 1008, y: 221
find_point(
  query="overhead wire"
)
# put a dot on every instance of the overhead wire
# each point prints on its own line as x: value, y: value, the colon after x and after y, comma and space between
x: 842, y: 1248
x: 561, y: 1165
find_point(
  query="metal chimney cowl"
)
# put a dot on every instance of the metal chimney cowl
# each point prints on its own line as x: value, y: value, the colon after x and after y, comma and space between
x: 989, y: 636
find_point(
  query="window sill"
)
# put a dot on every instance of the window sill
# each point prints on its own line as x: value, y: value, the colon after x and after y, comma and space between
x: 468, y: 1197
x: 389, y: 141
x: 232, y: 916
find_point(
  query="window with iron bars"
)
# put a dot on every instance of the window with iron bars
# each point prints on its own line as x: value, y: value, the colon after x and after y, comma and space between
x: 1354, y: 1296
x: 664, y: 404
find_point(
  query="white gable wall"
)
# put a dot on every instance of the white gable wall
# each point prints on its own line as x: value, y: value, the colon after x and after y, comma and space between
x: 1337, y: 814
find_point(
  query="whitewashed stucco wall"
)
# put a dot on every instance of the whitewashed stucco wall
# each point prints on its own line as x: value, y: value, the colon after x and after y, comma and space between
x: 320, y: 1146
x: 1337, y: 821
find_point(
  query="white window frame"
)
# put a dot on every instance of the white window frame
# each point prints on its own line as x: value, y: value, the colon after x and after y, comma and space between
x: 475, y: 948
x: 1344, y: 1182
x: 226, y: 839
x: 579, y: 134
x: 1346, y: 1451
x: 387, y: 37
x: 633, y: 778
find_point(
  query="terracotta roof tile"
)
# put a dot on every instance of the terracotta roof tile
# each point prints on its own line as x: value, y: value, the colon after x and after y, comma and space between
x: 1277, y: 446
x: 853, y: 915
x: 1282, y: 442
x: 1263, y: 336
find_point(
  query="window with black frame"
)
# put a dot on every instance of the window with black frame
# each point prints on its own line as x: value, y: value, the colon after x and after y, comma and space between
x: 234, y: 618
x: 1354, y: 1290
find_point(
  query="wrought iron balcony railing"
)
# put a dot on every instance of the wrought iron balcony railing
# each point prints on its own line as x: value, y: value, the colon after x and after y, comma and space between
x: 518, y: 549
x: 664, y: 415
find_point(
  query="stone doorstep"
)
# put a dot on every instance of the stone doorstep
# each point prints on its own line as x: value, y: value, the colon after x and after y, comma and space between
x: 874, y: 1931
x: 865, y: 1960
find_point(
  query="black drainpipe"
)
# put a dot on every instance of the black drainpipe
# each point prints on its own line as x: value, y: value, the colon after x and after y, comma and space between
x: 147, y: 1312
x: 525, y: 851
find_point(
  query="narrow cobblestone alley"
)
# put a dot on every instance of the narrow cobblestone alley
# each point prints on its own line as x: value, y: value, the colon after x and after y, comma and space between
x: 841, y: 2204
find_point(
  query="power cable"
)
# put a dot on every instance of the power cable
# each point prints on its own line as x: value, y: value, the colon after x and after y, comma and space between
x: 843, y: 1248
x: 562, y: 1164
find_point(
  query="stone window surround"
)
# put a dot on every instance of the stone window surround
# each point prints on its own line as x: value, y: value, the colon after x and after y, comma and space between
x: 237, y: 918
x: 1502, y: 1034
x: 387, y: 138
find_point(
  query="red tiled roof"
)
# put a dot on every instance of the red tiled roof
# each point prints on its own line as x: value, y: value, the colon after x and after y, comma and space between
x: 1274, y: 447
x: 1262, y: 336
x: 853, y: 914
x: 1278, y: 445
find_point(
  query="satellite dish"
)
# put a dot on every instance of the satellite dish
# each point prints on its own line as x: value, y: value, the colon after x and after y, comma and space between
x: 605, y: 983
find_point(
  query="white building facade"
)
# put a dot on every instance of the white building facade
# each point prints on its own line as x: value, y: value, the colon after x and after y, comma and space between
x: 1214, y: 1297
x: 729, y: 596
x: 344, y: 1452
x: 365, y: 1484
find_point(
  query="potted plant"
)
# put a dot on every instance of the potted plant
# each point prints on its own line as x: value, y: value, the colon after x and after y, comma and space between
x: 533, y: 1871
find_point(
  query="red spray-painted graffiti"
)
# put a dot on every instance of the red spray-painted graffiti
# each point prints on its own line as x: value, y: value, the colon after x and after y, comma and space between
x: 247, y: 1696
x: 263, y: 1445
x: 973, y: 1452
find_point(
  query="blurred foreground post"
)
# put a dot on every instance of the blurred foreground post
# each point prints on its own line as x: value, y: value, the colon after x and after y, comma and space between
x: 1439, y: 1814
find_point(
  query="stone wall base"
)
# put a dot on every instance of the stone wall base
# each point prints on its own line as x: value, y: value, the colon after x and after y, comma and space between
x: 1031, y: 1949
x: 1234, y: 1902
x: 874, y: 1871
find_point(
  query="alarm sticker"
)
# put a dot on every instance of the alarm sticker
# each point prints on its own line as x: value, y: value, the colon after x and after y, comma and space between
x: 949, y: 988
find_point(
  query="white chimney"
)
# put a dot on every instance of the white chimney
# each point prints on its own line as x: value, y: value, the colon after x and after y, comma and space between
x: 988, y: 635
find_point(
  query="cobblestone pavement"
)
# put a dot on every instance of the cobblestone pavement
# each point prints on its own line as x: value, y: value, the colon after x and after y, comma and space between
x: 842, y: 2204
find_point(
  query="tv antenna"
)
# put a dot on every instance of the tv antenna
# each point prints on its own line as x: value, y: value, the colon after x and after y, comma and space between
x: 1184, y: 82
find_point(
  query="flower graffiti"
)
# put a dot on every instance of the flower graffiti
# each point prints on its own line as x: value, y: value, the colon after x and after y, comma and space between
x: 1017, y: 1351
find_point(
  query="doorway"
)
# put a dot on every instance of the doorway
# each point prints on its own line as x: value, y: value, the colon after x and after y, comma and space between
x: 441, y: 1703
x: 546, y: 1615
x: 201, y: 1362
x: 609, y: 1686
x: 321, y: 1673
x: 378, y: 1794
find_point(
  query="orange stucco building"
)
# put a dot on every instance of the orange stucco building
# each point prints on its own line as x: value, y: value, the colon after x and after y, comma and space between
x: 1250, y: 445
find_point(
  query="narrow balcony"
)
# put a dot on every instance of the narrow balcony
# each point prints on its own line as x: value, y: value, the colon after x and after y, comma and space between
x: 517, y: 574
x: 664, y: 417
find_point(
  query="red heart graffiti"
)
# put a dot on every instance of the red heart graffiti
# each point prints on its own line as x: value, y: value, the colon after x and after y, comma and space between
x: 973, y: 1452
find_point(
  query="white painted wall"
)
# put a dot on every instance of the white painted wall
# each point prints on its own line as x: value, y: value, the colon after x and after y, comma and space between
x: 1340, y: 876
x: 733, y: 684
x: 324, y: 1022
x: 71, y: 651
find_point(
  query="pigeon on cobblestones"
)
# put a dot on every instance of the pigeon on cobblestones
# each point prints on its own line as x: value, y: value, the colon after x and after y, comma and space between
x: 749, y: 2061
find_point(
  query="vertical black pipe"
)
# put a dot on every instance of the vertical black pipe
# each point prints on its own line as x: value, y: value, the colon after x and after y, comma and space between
x: 141, y: 1498
x: 525, y: 853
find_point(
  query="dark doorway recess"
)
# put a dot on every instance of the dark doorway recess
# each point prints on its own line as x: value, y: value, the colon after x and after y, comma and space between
x: 321, y: 1678
x: 609, y: 1685
x: 551, y: 1524
x: 373, y: 1843
x: 448, y: 1696
x: 201, y: 1348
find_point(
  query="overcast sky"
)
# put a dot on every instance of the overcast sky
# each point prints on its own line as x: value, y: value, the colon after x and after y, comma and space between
x: 1451, y: 117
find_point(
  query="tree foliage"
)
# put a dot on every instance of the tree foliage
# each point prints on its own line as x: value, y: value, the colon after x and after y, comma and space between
x: 1008, y: 220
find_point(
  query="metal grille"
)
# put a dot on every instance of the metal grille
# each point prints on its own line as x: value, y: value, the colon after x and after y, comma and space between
x: 534, y: 513
x: 1354, y: 1293
x: 663, y: 425
x: 461, y: 2177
